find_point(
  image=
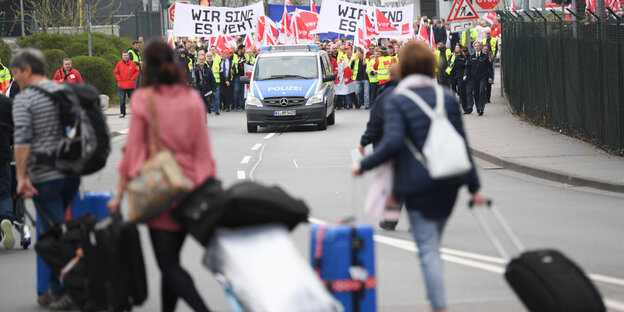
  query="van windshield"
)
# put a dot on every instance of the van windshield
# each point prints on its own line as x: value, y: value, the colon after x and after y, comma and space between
x: 286, y: 67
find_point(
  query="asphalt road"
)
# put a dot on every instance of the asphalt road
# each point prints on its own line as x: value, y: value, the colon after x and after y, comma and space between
x: 314, y: 165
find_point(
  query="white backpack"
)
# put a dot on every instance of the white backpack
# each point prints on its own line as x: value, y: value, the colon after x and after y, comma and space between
x: 444, y: 153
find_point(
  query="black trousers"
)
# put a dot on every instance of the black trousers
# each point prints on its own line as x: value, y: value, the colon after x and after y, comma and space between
x: 461, y: 91
x: 227, y: 95
x: 175, y: 281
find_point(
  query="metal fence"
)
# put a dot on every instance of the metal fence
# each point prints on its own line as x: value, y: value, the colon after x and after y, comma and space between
x: 567, y: 75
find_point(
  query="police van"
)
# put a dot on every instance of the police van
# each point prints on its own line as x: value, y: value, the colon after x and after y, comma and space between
x: 290, y: 85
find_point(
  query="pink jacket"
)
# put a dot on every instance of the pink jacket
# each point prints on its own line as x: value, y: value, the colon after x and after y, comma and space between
x: 180, y: 112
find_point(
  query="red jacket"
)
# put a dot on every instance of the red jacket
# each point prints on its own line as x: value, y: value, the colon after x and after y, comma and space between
x: 126, y: 74
x: 72, y: 77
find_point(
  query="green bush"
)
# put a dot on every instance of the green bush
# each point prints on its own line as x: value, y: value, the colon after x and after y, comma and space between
x: 113, y: 59
x: 5, y: 53
x: 45, y: 41
x: 98, y: 72
x: 80, y: 46
x: 53, y: 60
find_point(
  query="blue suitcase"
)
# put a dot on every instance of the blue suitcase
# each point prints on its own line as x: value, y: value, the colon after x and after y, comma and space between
x: 93, y: 202
x: 333, y: 249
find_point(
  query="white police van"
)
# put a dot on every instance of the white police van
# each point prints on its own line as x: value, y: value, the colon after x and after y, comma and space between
x: 290, y: 85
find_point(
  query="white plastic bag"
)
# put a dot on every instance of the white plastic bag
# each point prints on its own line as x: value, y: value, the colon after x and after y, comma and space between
x: 265, y: 272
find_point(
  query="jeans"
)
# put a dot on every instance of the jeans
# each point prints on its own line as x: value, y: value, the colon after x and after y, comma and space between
x: 427, y: 234
x: 217, y: 100
x: 343, y: 101
x: 238, y: 93
x: 122, y: 99
x: 363, y: 93
x: 53, y: 198
x: 373, y: 92
x: 6, y: 202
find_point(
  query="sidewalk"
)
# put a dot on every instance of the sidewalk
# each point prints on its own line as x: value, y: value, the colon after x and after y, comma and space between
x: 501, y: 138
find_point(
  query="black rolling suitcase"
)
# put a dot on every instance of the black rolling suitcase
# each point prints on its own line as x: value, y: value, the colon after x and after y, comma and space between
x: 545, y: 280
x: 114, y: 266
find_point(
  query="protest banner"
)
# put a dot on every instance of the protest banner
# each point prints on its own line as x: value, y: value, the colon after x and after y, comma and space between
x: 344, y: 17
x: 201, y: 21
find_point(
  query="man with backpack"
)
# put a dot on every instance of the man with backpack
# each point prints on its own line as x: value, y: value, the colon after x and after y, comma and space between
x: 67, y: 73
x: 37, y: 131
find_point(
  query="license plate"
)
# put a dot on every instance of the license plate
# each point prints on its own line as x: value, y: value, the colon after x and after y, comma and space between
x: 284, y: 113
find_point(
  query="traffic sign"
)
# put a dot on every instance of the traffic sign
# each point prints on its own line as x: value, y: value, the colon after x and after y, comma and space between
x: 462, y: 10
x: 487, y: 4
x: 172, y: 10
x: 460, y: 26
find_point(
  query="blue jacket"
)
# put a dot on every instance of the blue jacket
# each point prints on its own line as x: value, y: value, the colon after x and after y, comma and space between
x: 478, y: 68
x: 403, y: 118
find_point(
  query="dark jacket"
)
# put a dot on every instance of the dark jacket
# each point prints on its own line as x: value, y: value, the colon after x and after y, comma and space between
x: 404, y: 119
x: 439, y: 34
x: 6, y: 129
x: 204, y: 79
x: 226, y: 76
x: 374, y: 127
x: 454, y: 40
x: 478, y: 68
x: 361, y: 75
x: 459, y: 65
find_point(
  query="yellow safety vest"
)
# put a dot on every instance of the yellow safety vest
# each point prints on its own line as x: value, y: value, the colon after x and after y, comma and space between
x: 5, y: 78
x: 436, y: 53
x: 356, y: 68
x: 493, y: 44
x: 216, y: 68
x: 372, y: 78
x: 473, y: 36
x: 383, y: 70
x: 449, y: 69
x: 133, y: 56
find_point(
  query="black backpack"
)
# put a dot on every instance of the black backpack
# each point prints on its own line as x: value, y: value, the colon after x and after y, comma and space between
x: 86, y: 138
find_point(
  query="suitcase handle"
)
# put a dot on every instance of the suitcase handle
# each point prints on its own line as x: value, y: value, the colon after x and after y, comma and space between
x: 488, y: 231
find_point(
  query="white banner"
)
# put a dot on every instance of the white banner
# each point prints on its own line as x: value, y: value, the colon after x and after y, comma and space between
x: 201, y: 21
x: 344, y: 17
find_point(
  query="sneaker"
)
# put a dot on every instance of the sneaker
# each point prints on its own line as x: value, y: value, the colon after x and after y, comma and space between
x: 62, y: 304
x: 217, y: 113
x: 122, y: 115
x: 9, y: 238
x: 46, y: 298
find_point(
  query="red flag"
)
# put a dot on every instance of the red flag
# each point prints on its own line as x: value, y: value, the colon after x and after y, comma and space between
x: 432, y: 43
x: 286, y: 35
x: 309, y: 18
x: 496, y: 30
x: 287, y: 2
x: 302, y: 30
x: 248, y: 43
x: 260, y: 30
x: 370, y: 29
x: 406, y: 30
x: 271, y: 35
x: 348, y: 73
x: 490, y: 17
x: 384, y: 26
x: 220, y: 44
x: 422, y: 31
x: 313, y: 7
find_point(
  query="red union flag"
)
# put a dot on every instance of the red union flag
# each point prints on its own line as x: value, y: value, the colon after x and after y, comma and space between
x: 422, y: 31
x: 490, y: 17
x: 370, y: 29
x: 260, y: 30
x: 302, y: 32
x: 405, y: 30
x: 310, y: 19
x: 383, y: 24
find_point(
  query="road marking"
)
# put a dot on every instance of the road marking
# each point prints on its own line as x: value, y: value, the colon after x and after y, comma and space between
x: 245, y: 159
x: 256, y: 147
x: 240, y: 175
x: 612, y: 304
x: 295, y: 162
x: 124, y: 131
x: 270, y: 135
x: 606, y: 279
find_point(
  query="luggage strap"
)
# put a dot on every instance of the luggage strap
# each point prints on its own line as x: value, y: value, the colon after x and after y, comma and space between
x: 342, y: 285
x: 71, y: 264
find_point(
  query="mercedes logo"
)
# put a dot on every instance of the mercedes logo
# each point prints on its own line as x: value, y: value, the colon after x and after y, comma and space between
x: 283, y: 102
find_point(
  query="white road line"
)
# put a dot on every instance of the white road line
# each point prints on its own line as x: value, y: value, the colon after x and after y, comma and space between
x: 245, y: 159
x: 240, y: 175
x: 270, y: 135
x: 613, y: 305
x: 606, y: 279
x: 295, y: 162
x: 256, y: 147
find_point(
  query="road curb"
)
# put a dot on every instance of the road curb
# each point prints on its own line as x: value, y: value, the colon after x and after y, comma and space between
x: 547, y: 174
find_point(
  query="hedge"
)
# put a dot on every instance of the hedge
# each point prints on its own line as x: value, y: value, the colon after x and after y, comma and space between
x: 98, y: 72
x: 77, y: 44
x: 6, y: 53
x: 53, y: 60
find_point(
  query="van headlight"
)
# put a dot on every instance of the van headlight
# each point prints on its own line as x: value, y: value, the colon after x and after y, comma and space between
x: 253, y: 101
x: 315, y: 99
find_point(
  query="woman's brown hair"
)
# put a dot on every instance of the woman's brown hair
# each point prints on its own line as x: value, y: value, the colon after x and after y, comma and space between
x: 416, y: 58
x: 160, y: 67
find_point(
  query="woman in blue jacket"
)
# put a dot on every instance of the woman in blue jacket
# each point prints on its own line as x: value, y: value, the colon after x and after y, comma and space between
x: 429, y: 202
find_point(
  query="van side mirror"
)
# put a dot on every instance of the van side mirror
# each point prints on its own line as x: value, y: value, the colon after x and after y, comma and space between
x: 328, y: 78
x: 244, y: 80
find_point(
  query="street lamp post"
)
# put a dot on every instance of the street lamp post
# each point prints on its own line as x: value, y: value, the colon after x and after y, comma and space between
x: 89, y: 26
x: 22, y: 17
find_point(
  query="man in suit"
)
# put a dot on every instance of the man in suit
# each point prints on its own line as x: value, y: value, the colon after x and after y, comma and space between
x: 478, y: 74
x: 227, y: 92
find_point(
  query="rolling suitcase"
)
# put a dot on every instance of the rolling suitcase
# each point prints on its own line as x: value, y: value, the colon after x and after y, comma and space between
x: 545, y: 280
x: 114, y: 266
x: 92, y: 202
x: 344, y: 258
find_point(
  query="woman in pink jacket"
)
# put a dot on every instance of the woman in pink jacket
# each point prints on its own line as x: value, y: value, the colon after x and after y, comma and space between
x: 180, y: 111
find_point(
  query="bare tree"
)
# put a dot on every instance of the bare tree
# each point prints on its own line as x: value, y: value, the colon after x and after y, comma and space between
x: 67, y: 13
